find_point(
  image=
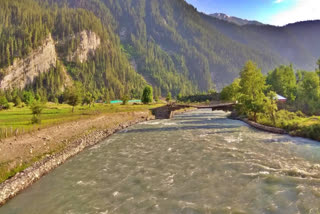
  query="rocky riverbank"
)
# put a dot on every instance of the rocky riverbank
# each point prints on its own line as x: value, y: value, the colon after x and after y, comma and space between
x: 24, y: 179
x: 264, y: 128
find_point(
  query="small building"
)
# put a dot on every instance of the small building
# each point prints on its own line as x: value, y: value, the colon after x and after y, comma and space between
x: 281, y: 99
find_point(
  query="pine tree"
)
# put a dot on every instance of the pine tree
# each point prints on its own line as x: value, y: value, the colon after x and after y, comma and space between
x: 147, y: 96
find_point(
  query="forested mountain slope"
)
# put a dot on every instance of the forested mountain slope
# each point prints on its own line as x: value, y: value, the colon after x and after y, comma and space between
x: 166, y: 43
x: 25, y: 28
x: 294, y: 43
x: 206, y: 46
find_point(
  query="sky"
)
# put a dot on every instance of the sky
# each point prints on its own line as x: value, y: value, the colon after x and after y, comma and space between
x: 274, y: 12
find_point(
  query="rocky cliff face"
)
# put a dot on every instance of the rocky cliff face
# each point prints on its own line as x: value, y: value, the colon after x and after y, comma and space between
x: 89, y: 42
x: 24, y: 71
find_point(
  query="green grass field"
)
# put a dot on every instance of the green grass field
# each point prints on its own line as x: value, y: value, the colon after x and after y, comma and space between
x: 16, y: 121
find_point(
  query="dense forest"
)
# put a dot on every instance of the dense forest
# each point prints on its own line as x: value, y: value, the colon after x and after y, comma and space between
x: 26, y: 24
x: 212, y: 50
x: 165, y: 43
x: 180, y: 40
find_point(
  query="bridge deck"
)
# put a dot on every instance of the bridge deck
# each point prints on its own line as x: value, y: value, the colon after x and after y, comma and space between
x: 165, y: 112
x: 207, y: 106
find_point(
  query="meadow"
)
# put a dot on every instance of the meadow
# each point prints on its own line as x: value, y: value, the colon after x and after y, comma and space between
x: 16, y: 121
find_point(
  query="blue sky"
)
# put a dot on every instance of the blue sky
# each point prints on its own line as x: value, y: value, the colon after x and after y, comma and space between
x: 275, y: 12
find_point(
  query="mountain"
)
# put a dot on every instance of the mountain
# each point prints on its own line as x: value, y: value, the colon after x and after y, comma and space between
x: 170, y: 40
x: 295, y: 43
x: 113, y: 48
x: 235, y: 20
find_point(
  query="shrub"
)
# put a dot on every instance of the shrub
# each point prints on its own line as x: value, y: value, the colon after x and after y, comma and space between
x: 72, y: 96
x: 125, y: 100
x: 147, y: 96
x: 28, y: 98
x: 36, y: 108
x: 4, y: 103
x: 17, y: 101
x: 169, y: 97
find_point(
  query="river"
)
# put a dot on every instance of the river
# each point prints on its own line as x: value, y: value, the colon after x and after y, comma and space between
x: 198, y: 162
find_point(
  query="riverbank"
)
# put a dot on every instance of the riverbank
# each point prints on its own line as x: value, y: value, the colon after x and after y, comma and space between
x: 25, y: 143
x: 310, y: 131
x: 263, y: 127
x: 195, y: 152
x: 54, y: 145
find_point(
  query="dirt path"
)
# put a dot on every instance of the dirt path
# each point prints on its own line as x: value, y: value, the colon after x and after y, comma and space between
x: 24, y: 150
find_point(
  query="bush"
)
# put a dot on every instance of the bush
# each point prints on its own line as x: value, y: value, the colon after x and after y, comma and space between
x: 72, y: 96
x: 125, y: 100
x: 4, y: 104
x: 147, y: 96
x: 17, y: 101
x: 169, y: 97
x: 28, y: 98
x: 300, y: 114
x: 310, y: 132
x: 36, y: 108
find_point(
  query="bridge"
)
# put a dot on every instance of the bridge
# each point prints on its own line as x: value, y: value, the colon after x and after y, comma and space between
x: 167, y: 111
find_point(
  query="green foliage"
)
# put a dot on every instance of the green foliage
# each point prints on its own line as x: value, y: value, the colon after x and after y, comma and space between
x: 147, y: 96
x: 283, y: 81
x: 88, y: 99
x: 200, y: 97
x: 252, y: 86
x: 169, y: 97
x: 296, y: 123
x: 55, y: 114
x: 231, y: 92
x: 17, y: 101
x: 24, y: 25
x: 73, y: 95
x: 28, y: 97
x: 125, y: 100
x: 311, y: 131
x: 106, y: 97
x: 3, y: 102
x: 36, y: 108
x: 156, y: 98
x: 309, y: 93
x: 48, y: 85
x: 176, y: 48
x: 271, y: 107
x: 264, y: 109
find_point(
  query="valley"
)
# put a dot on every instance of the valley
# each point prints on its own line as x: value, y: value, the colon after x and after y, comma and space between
x: 109, y: 89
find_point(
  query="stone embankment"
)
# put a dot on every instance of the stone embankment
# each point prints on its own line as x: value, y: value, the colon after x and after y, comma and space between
x: 263, y: 127
x: 24, y: 179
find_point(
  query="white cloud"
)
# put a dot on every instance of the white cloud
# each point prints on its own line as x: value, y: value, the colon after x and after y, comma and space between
x: 301, y: 11
x: 278, y: 1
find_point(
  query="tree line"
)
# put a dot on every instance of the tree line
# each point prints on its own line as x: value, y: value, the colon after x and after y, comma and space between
x: 257, y: 94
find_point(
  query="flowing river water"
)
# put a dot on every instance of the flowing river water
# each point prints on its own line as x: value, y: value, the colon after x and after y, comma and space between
x: 198, y: 162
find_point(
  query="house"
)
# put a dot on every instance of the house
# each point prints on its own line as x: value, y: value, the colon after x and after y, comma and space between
x: 281, y: 99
